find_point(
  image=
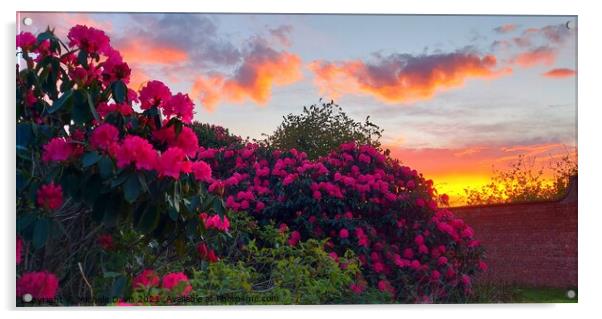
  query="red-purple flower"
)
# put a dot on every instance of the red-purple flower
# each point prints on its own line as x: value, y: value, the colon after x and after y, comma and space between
x: 89, y: 39
x: 154, y: 93
x: 175, y: 280
x: 179, y: 105
x: 105, y: 241
x: 57, y: 150
x: 104, y: 137
x: 135, y: 149
x: 26, y: 41
x: 40, y: 285
x: 294, y: 238
x: 50, y: 196
x: 146, y: 279
x: 201, y: 171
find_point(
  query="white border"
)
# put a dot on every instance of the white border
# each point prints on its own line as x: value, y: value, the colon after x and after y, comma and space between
x: 590, y: 222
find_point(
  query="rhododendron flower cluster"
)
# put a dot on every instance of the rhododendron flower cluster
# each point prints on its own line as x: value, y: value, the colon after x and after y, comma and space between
x: 215, y: 222
x: 148, y: 278
x: 206, y: 253
x: 137, y: 150
x: 40, y: 285
x: 89, y: 39
x: 173, y: 280
x: 26, y: 41
x: 50, y: 196
x: 104, y: 137
x: 56, y: 150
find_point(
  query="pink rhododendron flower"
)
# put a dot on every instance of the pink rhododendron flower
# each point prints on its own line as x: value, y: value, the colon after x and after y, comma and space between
x: 201, y: 171
x: 442, y: 260
x: 135, y: 149
x: 115, y: 69
x: 50, y: 196
x: 154, y: 93
x: 40, y: 285
x: 357, y: 288
x: 104, y: 109
x: 26, y: 41
x: 294, y: 238
x: 57, y: 150
x: 206, y: 253
x: 148, y: 278
x: 186, y: 140
x: 334, y: 256
x: 215, y: 222
x: 385, y: 286
x: 171, y: 162
x: 175, y: 279
x: 104, y: 137
x: 343, y: 233
x: 89, y: 39
x: 181, y: 106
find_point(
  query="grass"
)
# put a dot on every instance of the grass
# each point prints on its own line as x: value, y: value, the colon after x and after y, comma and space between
x: 488, y: 293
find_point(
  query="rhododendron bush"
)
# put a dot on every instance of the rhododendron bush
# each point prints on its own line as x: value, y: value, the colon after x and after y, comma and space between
x: 120, y: 194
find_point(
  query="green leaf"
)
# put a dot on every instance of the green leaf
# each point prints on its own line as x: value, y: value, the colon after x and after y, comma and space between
x: 45, y: 36
x: 58, y: 104
x: 81, y: 112
x: 119, y: 91
x: 119, y: 180
x: 173, y: 214
x: 24, y: 134
x: 24, y: 221
x: 92, y: 189
x: 92, y: 108
x: 219, y: 207
x: 111, y: 274
x: 105, y: 167
x: 40, y: 233
x: 90, y: 159
x: 147, y: 219
x: 132, y: 188
x: 118, y: 286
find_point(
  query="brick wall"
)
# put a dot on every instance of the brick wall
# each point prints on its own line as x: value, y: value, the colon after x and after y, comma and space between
x: 531, y: 244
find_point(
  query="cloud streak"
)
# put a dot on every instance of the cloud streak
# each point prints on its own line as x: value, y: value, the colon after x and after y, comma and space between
x: 560, y: 73
x: 403, y: 78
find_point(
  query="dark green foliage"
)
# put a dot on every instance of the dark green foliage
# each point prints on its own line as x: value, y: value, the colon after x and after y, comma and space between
x: 321, y: 128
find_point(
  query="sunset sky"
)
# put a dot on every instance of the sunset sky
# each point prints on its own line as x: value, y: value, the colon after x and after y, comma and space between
x: 455, y: 95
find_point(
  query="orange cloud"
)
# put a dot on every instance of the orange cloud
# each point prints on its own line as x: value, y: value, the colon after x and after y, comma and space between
x: 261, y: 69
x: 559, y: 73
x: 403, y: 78
x: 138, y: 77
x: 151, y: 53
x: 541, y: 55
